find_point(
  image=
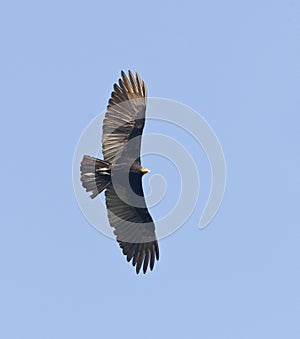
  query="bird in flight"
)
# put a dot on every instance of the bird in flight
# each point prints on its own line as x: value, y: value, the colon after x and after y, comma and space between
x: 120, y: 173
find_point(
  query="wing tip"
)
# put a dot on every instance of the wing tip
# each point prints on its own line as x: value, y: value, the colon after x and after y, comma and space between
x: 141, y: 255
x: 132, y: 83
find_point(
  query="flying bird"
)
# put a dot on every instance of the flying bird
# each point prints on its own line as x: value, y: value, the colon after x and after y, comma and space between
x: 120, y: 172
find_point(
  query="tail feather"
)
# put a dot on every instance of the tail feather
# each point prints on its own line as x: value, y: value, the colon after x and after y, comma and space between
x: 95, y: 175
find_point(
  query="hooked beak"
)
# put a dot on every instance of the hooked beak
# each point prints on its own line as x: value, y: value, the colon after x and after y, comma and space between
x: 145, y: 170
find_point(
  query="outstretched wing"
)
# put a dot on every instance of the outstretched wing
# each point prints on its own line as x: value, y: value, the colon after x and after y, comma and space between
x: 134, y: 229
x: 124, y: 118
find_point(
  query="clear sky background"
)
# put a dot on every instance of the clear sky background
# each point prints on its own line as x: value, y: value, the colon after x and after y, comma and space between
x: 236, y: 63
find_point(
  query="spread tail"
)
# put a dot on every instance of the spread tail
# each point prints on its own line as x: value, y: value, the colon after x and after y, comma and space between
x: 95, y: 175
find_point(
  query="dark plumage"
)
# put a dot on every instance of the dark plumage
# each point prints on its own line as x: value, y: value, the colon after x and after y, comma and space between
x: 120, y: 173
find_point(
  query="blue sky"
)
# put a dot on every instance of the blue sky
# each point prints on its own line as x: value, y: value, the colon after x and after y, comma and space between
x: 236, y: 63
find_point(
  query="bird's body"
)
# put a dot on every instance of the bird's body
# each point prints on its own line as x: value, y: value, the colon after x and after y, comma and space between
x: 120, y: 173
